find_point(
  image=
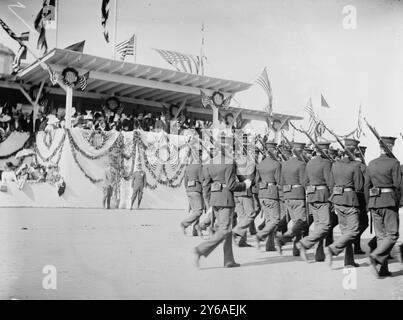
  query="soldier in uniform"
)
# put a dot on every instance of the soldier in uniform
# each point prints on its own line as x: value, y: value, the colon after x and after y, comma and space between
x: 363, y: 216
x: 382, y: 191
x: 268, y: 175
x: 193, y: 180
x: 220, y: 178
x: 292, y: 183
x: 245, y: 169
x: 138, y: 184
x: 348, y: 179
x: 319, y: 182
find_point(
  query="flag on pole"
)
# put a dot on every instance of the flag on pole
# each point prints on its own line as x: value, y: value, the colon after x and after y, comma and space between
x: 39, y: 25
x: 313, y: 119
x: 10, y: 32
x: 182, y: 62
x: 78, y: 47
x: 323, y: 102
x: 359, y: 130
x: 49, y: 14
x: 82, y: 82
x: 264, y: 82
x: 104, y: 18
x: 126, y: 48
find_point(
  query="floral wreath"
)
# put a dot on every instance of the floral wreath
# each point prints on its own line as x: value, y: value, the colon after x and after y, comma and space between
x: 217, y: 98
x: 70, y: 76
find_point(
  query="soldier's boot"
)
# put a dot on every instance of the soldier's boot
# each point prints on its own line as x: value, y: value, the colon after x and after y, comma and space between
x: 295, y: 250
x: 329, y: 238
x: 384, y: 270
x: 320, y: 253
x: 270, y: 245
x: 252, y: 228
x: 243, y: 242
x: 357, y: 246
x: 349, y: 257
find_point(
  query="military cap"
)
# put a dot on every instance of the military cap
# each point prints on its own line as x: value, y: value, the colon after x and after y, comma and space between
x: 298, y: 145
x: 351, y: 143
x: 308, y: 150
x: 323, y: 144
x: 271, y: 144
x: 389, y: 140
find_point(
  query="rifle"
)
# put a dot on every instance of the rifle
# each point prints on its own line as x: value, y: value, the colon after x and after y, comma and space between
x: 290, y: 145
x: 381, y: 142
x: 267, y: 151
x: 317, y: 146
x: 350, y: 154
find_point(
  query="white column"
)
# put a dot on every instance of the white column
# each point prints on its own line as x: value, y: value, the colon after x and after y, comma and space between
x: 69, y: 106
x: 215, y: 118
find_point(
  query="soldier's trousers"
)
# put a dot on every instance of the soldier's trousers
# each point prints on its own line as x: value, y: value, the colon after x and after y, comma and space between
x: 196, y: 205
x: 322, y: 223
x: 223, y: 234
x: 271, y: 212
x: 386, y: 225
x: 246, y: 215
x: 363, y: 223
x: 296, y: 210
x: 349, y: 227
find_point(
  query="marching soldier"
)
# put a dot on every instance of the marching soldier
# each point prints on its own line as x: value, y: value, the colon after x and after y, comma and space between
x: 382, y: 189
x: 268, y: 175
x: 348, y: 179
x: 245, y: 169
x: 319, y: 182
x: 292, y: 183
x: 193, y: 180
x: 220, y: 177
x: 363, y: 216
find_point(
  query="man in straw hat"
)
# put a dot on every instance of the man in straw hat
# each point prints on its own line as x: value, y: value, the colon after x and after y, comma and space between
x: 382, y: 191
x: 220, y: 178
x: 292, y: 183
x: 348, y: 180
x: 319, y: 182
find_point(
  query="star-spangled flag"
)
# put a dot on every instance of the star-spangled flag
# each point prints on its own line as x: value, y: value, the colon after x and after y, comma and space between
x: 182, y: 62
x: 82, y: 82
x: 40, y: 22
x: 104, y: 18
x: 126, y: 48
x: 264, y: 82
x: 323, y: 102
x: 359, y: 131
x: 313, y: 119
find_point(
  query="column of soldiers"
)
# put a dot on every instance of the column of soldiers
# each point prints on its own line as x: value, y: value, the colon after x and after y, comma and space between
x: 292, y: 187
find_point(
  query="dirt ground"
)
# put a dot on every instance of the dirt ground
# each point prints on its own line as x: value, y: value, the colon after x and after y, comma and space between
x: 142, y: 254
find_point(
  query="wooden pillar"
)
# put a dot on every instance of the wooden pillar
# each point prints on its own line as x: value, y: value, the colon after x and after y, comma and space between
x: 69, y: 106
x: 216, y: 123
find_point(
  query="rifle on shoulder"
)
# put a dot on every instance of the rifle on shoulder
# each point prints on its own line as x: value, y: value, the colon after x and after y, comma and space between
x: 317, y: 146
x: 381, y: 142
x: 350, y: 154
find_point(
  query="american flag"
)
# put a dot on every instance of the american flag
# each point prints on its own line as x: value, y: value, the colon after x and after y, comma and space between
x: 182, y: 62
x: 82, y: 81
x: 359, y: 130
x: 313, y: 119
x: 126, y: 48
x: 104, y: 18
x: 264, y: 82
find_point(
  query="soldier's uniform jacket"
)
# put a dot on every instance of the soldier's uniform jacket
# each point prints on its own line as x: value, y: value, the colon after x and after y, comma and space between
x: 268, y: 176
x: 193, y: 178
x: 207, y: 188
x: 245, y: 169
x: 383, y: 172
x: 346, y: 174
x: 221, y: 175
x: 293, y: 174
x: 360, y: 194
x: 139, y: 179
x: 317, y: 176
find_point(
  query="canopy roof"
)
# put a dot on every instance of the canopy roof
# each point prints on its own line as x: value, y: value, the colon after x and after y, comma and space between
x: 136, y: 83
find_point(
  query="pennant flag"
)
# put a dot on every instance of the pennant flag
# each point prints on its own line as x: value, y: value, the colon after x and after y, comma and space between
x: 39, y: 25
x: 313, y: 119
x: 182, y: 62
x: 21, y: 54
x: 82, y: 82
x: 264, y: 82
x: 323, y: 102
x: 126, y: 48
x: 104, y: 18
x: 78, y: 47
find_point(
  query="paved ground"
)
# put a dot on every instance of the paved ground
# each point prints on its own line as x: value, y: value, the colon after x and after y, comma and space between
x: 143, y: 255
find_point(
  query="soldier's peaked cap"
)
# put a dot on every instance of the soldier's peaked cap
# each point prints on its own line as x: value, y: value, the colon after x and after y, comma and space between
x: 352, y: 143
x: 271, y: 144
x: 323, y: 144
x: 389, y: 140
x: 298, y: 145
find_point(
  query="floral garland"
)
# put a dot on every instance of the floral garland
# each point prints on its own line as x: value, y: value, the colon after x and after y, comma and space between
x: 27, y: 144
x: 73, y: 151
x: 57, y: 149
x: 89, y: 137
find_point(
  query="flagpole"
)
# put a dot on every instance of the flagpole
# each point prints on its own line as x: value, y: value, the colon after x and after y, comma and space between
x: 135, y: 48
x: 115, y: 29
x: 202, y: 50
x: 57, y: 21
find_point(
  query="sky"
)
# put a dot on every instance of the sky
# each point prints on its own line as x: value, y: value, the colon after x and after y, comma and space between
x: 302, y: 42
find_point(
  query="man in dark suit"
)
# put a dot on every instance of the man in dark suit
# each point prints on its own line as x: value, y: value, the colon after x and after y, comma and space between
x: 319, y: 182
x: 383, y: 193
x: 220, y: 178
x: 348, y: 179
x: 292, y: 183
x: 138, y: 185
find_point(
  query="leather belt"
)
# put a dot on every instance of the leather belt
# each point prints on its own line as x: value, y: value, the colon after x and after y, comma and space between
x: 296, y: 186
x: 271, y: 184
x: 387, y: 190
x: 348, y: 189
x: 320, y: 187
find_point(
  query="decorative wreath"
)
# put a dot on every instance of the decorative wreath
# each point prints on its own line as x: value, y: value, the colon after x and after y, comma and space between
x: 113, y: 104
x: 70, y: 77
